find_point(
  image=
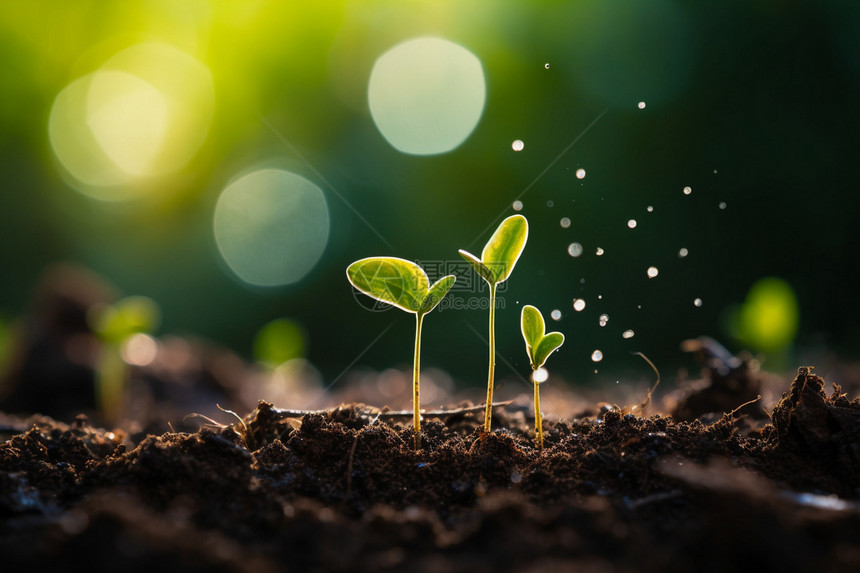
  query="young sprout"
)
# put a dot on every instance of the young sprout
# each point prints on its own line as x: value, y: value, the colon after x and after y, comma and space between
x: 497, y: 261
x: 538, y: 346
x: 115, y: 325
x: 403, y: 284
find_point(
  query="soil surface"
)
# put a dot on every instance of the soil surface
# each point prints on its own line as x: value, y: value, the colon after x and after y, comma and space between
x: 344, y: 490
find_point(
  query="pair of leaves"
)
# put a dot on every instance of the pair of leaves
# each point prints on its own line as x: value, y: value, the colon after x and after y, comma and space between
x: 398, y: 282
x: 502, y: 251
x: 538, y: 344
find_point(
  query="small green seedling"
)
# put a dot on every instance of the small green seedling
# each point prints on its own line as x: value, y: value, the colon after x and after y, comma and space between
x: 115, y: 325
x: 496, y: 264
x: 403, y: 284
x: 538, y: 346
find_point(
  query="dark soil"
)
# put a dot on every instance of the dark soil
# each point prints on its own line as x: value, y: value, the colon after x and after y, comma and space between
x: 343, y: 490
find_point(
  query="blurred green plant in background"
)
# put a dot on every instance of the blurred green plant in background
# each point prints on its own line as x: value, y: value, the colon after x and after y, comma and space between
x: 228, y: 159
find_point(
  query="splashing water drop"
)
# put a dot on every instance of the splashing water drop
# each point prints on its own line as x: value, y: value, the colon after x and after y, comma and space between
x: 599, y: 251
x: 650, y: 208
x: 627, y: 334
x: 550, y: 203
x: 652, y: 272
x: 688, y: 190
x: 574, y: 249
x: 555, y: 314
x: 697, y: 302
x: 518, y: 205
x: 580, y: 173
x: 578, y: 304
x: 641, y: 105
x: 540, y: 375
x: 565, y: 222
x: 631, y: 223
x: 546, y: 66
x: 722, y: 205
x: 683, y: 252
x: 604, y: 318
x: 518, y: 145
x: 596, y: 356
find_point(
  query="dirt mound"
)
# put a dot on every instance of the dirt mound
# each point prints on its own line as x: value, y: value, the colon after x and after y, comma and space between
x: 344, y: 490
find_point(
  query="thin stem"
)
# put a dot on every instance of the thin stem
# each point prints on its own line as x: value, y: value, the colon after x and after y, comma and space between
x: 416, y: 408
x: 538, y: 417
x: 488, y: 414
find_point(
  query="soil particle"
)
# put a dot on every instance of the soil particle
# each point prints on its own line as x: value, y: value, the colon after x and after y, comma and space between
x: 344, y: 490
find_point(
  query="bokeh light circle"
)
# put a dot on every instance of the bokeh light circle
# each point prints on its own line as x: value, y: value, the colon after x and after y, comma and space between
x: 118, y: 131
x: 426, y: 95
x: 271, y: 227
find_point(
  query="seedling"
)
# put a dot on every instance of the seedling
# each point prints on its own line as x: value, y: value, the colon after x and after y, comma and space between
x: 497, y: 261
x: 403, y: 284
x: 538, y: 346
x: 115, y: 325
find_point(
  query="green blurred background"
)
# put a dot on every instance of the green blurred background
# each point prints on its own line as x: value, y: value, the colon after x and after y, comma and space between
x: 753, y: 105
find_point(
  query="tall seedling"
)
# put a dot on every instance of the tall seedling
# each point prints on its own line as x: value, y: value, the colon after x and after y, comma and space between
x: 538, y: 346
x: 497, y: 261
x: 403, y: 284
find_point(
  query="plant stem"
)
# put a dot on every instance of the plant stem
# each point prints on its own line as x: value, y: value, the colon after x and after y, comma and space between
x: 488, y: 414
x: 538, y: 417
x: 416, y: 408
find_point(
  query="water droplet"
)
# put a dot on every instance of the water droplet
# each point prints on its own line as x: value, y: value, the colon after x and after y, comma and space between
x: 518, y: 205
x: 574, y: 249
x: 604, y: 318
x: 517, y: 477
x: 683, y: 252
x: 518, y: 145
x: 650, y: 208
x: 599, y: 251
x: 565, y: 222
x: 546, y: 66
x: 550, y: 203
x: 578, y: 304
x: 688, y: 190
x: 580, y: 173
x: 540, y: 375
x: 600, y: 297
x: 641, y: 105
x: 555, y: 314
x: 652, y: 272
x: 722, y: 205
x: 631, y: 223
x: 596, y: 356
x: 697, y: 302
x: 627, y: 334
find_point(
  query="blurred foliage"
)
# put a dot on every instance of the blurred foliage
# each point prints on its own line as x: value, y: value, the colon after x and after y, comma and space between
x: 278, y: 342
x: 751, y: 104
x: 767, y: 321
x: 133, y: 314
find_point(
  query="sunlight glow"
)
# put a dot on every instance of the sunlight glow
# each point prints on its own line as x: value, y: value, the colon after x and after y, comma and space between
x: 141, y: 116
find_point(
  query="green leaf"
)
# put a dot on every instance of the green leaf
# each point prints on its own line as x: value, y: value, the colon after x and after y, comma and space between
x: 504, y: 248
x: 547, y: 346
x: 532, y: 325
x: 538, y: 345
x: 437, y: 292
x: 483, y: 271
x: 398, y: 282
x: 125, y: 317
